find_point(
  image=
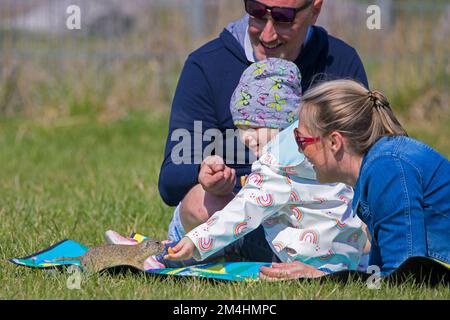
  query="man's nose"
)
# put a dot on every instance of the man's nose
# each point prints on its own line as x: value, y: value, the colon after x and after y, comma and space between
x: 269, y: 34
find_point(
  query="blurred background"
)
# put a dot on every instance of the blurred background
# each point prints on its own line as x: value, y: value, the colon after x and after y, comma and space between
x: 128, y: 54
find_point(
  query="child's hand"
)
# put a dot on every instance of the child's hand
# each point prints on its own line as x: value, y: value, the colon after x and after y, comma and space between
x: 215, y: 177
x: 184, y: 250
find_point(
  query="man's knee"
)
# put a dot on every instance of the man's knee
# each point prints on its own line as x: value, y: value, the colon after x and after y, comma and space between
x: 192, y: 209
x: 197, y: 206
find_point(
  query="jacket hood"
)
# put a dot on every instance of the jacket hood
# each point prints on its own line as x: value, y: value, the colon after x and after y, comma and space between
x: 233, y: 38
x: 238, y: 29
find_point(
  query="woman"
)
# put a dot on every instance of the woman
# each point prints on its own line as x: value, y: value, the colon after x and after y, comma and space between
x: 402, y: 186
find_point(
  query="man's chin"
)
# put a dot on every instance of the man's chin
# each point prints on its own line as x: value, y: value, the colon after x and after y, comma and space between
x: 265, y: 53
x: 280, y: 55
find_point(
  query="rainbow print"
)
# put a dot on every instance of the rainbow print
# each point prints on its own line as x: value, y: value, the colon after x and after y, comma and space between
x: 340, y: 225
x: 328, y: 256
x: 265, y: 201
x: 320, y: 200
x: 310, y: 236
x: 239, y: 229
x: 294, y: 197
x: 354, y: 237
x: 288, y: 178
x: 267, y: 158
x: 205, y: 244
x: 344, y: 199
x: 289, y: 170
x: 298, y: 214
x: 269, y: 223
x: 278, y: 246
x: 211, y: 221
x: 256, y: 178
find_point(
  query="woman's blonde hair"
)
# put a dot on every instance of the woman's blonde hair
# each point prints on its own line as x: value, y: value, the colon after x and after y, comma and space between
x: 346, y: 106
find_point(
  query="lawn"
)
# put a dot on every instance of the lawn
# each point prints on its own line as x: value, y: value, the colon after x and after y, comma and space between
x: 78, y: 178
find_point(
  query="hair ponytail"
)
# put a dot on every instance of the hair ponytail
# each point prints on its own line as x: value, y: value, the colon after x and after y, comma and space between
x: 346, y: 106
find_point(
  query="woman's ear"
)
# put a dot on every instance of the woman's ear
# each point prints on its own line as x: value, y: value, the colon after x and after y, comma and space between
x: 336, y: 142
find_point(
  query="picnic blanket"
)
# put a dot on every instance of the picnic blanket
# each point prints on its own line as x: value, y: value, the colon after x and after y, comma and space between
x: 421, y: 269
x: 48, y: 258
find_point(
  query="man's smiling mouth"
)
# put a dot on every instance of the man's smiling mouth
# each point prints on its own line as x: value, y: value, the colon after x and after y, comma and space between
x: 270, y: 47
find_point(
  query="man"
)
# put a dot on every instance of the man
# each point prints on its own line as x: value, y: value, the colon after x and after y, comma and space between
x: 271, y: 28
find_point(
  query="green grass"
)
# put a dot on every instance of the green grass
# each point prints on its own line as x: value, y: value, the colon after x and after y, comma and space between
x: 77, y: 179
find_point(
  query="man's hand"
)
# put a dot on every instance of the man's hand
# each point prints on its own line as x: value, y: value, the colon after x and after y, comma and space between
x: 289, y: 270
x: 215, y: 177
x: 183, y: 250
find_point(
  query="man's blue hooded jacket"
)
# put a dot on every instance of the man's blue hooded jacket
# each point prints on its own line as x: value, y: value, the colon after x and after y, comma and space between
x: 207, y: 81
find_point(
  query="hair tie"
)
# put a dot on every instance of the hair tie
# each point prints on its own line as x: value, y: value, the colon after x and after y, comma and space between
x: 377, y: 101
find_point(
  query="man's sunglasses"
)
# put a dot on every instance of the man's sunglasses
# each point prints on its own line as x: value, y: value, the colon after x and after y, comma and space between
x: 279, y: 14
x: 303, y: 141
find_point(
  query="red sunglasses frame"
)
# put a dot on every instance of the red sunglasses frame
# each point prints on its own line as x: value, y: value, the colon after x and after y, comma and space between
x: 303, y: 141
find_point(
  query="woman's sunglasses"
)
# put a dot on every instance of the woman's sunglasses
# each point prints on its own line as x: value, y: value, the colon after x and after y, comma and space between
x: 279, y: 14
x: 303, y: 141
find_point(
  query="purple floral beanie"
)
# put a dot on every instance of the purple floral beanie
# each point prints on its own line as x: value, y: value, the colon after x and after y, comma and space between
x: 268, y: 95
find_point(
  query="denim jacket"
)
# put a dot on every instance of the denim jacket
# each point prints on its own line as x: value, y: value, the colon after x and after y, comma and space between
x: 403, y: 195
